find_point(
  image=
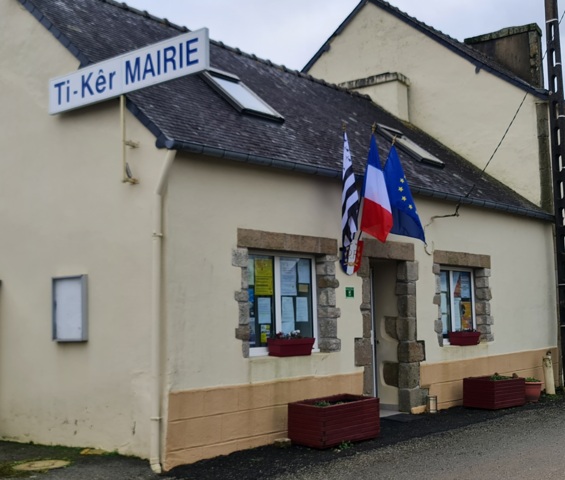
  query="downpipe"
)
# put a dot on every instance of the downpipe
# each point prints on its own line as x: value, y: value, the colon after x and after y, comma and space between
x: 156, y: 319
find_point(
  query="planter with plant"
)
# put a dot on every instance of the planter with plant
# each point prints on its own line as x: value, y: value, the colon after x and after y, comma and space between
x: 329, y: 421
x: 494, y: 391
x: 532, y: 389
x: 289, y: 344
x: 464, y: 337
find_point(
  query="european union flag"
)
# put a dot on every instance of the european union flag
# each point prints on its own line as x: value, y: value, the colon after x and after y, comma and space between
x: 404, y: 214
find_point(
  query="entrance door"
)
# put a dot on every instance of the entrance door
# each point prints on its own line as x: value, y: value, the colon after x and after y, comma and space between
x: 385, y: 357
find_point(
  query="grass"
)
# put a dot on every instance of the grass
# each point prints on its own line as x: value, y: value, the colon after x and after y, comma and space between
x: 7, y: 471
x: 559, y: 393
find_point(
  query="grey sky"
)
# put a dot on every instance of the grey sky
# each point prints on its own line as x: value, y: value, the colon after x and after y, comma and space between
x: 289, y: 32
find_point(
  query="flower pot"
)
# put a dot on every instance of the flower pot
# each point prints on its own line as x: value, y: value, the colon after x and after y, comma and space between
x: 533, y: 391
x: 464, y: 338
x: 483, y: 392
x: 346, y: 418
x: 290, y: 347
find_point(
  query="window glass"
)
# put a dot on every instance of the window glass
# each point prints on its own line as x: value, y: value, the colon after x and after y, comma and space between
x: 240, y: 95
x: 280, y: 297
x: 445, y: 302
x: 457, y: 302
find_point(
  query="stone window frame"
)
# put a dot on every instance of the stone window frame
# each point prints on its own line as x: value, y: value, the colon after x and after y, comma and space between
x: 325, y: 252
x: 481, y: 268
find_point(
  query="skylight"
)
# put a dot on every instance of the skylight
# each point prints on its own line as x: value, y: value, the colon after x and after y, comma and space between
x: 410, y: 147
x: 239, y: 95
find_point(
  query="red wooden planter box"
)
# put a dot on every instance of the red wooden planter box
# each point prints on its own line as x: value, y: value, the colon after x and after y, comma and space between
x: 290, y: 347
x: 356, y: 419
x: 464, y: 338
x: 482, y: 392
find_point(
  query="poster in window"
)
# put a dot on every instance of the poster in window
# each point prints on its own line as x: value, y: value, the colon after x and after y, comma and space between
x: 264, y: 310
x: 263, y: 276
x: 303, y: 271
x: 301, y: 309
x: 287, y: 307
x: 466, y: 315
x: 265, y: 333
x: 288, y: 276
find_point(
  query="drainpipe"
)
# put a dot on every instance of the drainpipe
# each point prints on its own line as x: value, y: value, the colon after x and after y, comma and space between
x: 156, y: 320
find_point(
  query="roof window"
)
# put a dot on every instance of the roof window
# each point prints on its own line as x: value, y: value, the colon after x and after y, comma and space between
x: 410, y: 147
x: 241, y: 97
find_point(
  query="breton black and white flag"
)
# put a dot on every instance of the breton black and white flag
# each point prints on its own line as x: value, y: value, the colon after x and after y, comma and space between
x: 351, y: 251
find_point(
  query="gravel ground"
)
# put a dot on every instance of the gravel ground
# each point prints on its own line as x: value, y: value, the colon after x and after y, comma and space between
x: 526, y: 445
x: 400, y: 435
x: 298, y: 463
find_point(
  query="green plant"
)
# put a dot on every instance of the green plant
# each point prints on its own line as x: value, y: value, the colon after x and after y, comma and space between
x: 345, y: 445
x: 532, y: 379
x: 496, y: 377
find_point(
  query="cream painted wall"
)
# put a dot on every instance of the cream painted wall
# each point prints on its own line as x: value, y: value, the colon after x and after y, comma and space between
x: 202, y: 313
x: 466, y: 109
x: 522, y: 279
x: 65, y: 211
x: 208, y: 200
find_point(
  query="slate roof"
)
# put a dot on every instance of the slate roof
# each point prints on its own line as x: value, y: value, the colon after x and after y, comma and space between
x: 480, y: 60
x: 187, y: 114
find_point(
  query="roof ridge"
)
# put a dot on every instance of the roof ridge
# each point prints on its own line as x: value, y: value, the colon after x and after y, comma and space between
x: 219, y: 43
x: 479, y: 59
x: 285, y: 69
x: 146, y: 14
x: 462, y: 46
x: 34, y: 10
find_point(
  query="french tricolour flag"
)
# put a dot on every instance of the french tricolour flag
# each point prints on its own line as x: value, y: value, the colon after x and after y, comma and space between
x: 376, y: 219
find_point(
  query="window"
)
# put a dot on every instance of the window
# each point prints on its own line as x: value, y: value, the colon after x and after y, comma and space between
x: 411, y: 147
x: 281, y: 297
x: 457, y: 300
x: 239, y: 95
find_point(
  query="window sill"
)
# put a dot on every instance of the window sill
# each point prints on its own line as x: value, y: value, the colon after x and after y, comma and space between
x: 259, y: 352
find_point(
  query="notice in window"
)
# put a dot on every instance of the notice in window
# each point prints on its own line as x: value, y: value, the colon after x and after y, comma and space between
x: 303, y: 271
x: 264, y: 310
x: 466, y: 315
x: 301, y: 309
x: 287, y: 306
x: 265, y: 333
x: 263, y: 276
x: 288, y: 276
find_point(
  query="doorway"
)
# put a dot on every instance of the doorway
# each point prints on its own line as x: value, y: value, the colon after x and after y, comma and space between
x: 385, y: 345
x: 389, y: 349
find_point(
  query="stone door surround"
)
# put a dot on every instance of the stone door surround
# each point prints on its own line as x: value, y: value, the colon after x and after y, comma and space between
x: 405, y: 375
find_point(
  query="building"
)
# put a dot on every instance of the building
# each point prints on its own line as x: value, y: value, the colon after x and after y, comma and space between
x: 150, y: 250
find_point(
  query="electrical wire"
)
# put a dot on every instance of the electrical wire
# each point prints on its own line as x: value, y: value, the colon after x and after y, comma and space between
x: 456, y: 213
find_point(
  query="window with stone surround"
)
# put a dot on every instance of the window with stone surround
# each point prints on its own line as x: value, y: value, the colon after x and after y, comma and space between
x: 280, y: 297
x: 282, y: 256
x: 462, y: 294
